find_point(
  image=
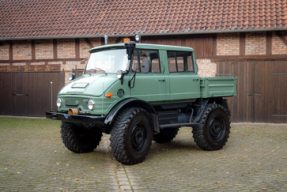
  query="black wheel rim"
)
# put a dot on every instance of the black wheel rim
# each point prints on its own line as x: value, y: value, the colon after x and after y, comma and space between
x: 138, y: 136
x: 217, y: 128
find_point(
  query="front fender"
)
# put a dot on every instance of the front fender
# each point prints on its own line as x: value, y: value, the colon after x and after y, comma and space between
x: 131, y: 102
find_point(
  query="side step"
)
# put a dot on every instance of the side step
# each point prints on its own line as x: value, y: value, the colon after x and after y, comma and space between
x: 176, y: 125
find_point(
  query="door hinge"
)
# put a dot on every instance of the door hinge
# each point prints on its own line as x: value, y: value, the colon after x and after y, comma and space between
x: 279, y: 74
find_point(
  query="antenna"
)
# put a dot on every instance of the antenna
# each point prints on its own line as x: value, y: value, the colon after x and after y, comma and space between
x: 51, y: 96
x: 103, y: 100
x: 106, y: 39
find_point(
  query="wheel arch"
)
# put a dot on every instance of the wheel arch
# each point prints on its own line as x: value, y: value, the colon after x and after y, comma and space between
x: 132, y: 102
x: 220, y: 101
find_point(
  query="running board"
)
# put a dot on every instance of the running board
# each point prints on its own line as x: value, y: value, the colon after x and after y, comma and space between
x: 176, y: 125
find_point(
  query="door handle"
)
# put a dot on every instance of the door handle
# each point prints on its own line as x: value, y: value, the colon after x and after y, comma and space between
x: 253, y: 94
x: 17, y: 94
x: 20, y: 94
x: 161, y: 80
x: 195, y: 79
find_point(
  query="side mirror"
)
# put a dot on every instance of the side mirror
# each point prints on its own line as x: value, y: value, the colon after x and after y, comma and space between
x: 146, y: 65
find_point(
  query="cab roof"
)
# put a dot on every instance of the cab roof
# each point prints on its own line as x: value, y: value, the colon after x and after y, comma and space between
x: 144, y: 46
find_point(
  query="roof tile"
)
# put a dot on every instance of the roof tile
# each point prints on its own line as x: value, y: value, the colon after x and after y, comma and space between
x: 51, y: 18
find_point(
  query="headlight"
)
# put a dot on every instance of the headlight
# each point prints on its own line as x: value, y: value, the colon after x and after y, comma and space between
x: 59, y: 102
x: 119, y: 74
x: 91, y: 104
x: 71, y: 76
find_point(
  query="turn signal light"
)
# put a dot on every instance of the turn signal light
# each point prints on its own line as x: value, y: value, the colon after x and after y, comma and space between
x: 109, y: 95
x: 126, y: 39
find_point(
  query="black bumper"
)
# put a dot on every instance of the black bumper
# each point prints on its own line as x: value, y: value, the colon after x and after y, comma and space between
x: 76, y: 118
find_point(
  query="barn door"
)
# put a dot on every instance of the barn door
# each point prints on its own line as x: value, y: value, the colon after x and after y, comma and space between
x: 279, y: 92
x: 261, y: 89
x: 28, y: 94
x: 241, y: 104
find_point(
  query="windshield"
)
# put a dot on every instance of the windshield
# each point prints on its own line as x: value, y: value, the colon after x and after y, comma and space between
x: 107, y: 61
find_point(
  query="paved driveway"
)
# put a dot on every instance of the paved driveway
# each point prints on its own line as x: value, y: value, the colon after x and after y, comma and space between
x: 33, y: 158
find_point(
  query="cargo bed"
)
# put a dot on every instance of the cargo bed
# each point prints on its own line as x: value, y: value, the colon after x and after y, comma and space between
x: 217, y: 87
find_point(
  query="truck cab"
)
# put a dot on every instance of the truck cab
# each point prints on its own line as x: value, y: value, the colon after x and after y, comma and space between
x: 139, y: 93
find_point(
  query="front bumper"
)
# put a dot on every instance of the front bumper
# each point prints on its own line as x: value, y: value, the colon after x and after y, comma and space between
x: 76, y: 118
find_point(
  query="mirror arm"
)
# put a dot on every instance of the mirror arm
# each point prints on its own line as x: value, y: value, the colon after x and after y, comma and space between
x: 134, y: 77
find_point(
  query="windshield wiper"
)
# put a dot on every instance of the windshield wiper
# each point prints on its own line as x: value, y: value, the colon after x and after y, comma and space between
x: 101, y: 70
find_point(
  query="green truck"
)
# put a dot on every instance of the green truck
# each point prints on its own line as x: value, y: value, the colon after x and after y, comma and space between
x: 142, y: 92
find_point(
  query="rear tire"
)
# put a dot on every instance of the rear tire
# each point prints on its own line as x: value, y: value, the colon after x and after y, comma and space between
x: 214, y: 127
x: 131, y: 136
x: 79, y: 139
x: 165, y: 135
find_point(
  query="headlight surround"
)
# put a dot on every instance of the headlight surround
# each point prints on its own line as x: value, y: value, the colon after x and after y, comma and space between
x: 91, y: 104
x: 59, y: 102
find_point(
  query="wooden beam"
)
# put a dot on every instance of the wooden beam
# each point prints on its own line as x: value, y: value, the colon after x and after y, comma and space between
x: 33, y: 50
x: 118, y: 40
x: 251, y: 58
x: 11, y: 51
x: 281, y: 37
x: 55, y: 49
x: 242, y: 43
x: 214, y: 45
x: 89, y: 42
x: 77, y: 48
x: 42, y: 60
x: 268, y: 43
x: 103, y: 41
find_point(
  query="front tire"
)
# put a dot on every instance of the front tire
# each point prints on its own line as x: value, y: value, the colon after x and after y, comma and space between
x: 131, y: 136
x: 214, y: 127
x: 79, y: 139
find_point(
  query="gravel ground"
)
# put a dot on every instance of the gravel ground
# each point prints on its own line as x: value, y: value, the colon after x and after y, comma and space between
x: 33, y: 158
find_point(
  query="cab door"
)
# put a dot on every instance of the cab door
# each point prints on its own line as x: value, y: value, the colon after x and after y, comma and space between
x: 184, y: 83
x: 149, y: 86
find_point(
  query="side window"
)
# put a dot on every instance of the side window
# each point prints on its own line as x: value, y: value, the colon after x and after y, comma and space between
x: 180, y: 61
x: 171, y: 62
x: 151, y: 55
x: 190, y: 63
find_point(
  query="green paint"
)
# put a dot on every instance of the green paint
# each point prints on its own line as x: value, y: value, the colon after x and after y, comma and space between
x: 163, y: 87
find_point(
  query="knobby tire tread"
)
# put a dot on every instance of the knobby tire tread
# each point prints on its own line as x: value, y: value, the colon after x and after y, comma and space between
x: 198, y: 131
x: 71, y: 141
x: 118, y: 136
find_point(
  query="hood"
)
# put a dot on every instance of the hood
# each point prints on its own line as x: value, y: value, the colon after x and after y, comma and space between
x: 94, y: 84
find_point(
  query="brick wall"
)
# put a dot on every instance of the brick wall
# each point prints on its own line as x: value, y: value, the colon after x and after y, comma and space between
x: 22, y: 50
x: 255, y: 43
x: 66, y: 48
x: 84, y: 47
x: 4, y: 50
x: 44, y: 49
x: 278, y: 47
x: 228, y: 44
x: 206, y: 68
